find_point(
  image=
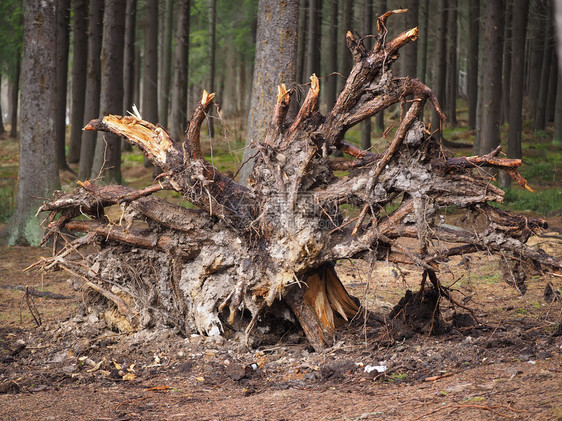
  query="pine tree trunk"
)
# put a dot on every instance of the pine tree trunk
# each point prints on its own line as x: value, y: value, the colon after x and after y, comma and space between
x: 424, y: 28
x: 276, y: 50
x: 552, y: 86
x: 63, y: 18
x: 166, y: 62
x: 332, y: 81
x: 379, y: 119
x: 507, y: 51
x: 440, y: 65
x: 2, y: 128
x: 149, y: 108
x: 14, y: 97
x: 79, y: 74
x: 452, y: 65
x: 537, y: 28
x: 314, y: 37
x: 540, y: 115
x: 129, y: 56
x: 212, y: 57
x: 38, y: 173
x: 178, y: 115
x: 472, y: 61
x: 301, y: 43
x: 107, y: 159
x: 367, y: 28
x: 93, y: 88
x: 492, y: 83
x: 518, y: 31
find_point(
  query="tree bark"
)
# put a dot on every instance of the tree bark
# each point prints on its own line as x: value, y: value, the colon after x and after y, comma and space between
x: 506, y: 61
x: 150, y: 75
x: 129, y: 56
x: 276, y: 49
x: 2, y: 128
x: 178, y: 116
x: 107, y: 159
x: 38, y: 174
x: 367, y: 28
x: 166, y: 60
x: 440, y: 66
x: 472, y: 61
x: 14, y: 98
x: 519, y: 31
x: 537, y: 25
x: 552, y: 86
x: 452, y: 65
x: 379, y: 119
x: 93, y: 87
x: 79, y: 74
x: 314, y: 36
x: 63, y: 18
x: 332, y: 81
x: 540, y: 115
x: 492, y: 84
x: 301, y: 42
x: 424, y: 28
x: 212, y: 57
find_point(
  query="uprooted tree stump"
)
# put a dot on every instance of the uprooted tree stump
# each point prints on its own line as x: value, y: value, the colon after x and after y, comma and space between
x: 255, y: 255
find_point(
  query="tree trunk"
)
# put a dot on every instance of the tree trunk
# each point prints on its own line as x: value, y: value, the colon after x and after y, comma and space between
x: 492, y: 83
x: 276, y: 50
x: 540, y: 115
x: 538, y: 24
x: 79, y: 73
x: 212, y: 57
x: 2, y: 128
x: 301, y: 43
x: 424, y: 28
x: 166, y: 62
x: 178, y: 115
x: 150, y: 76
x: 507, y: 51
x: 38, y: 173
x: 93, y: 87
x: 107, y: 159
x: 347, y: 25
x: 551, y: 91
x: 379, y: 119
x: 332, y: 81
x: 557, y: 138
x: 472, y: 61
x: 262, y: 257
x: 14, y: 97
x: 452, y: 65
x: 518, y: 31
x: 63, y: 18
x: 314, y: 36
x: 367, y: 28
x: 409, y: 62
x: 440, y: 66
x: 129, y: 56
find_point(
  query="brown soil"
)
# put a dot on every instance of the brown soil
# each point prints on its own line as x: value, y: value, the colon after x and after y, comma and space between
x: 73, y: 367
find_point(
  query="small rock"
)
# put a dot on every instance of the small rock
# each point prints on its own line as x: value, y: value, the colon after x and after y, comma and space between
x: 235, y: 371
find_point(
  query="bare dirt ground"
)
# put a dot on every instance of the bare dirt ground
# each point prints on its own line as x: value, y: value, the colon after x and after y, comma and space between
x: 73, y: 367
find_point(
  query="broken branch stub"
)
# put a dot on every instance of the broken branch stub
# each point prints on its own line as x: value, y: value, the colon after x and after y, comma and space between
x: 262, y: 258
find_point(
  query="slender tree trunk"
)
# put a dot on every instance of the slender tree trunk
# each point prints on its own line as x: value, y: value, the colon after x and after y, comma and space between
x: 14, y: 96
x: 452, y: 65
x: 63, y: 17
x: 129, y: 56
x: 332, y: 81
x: 178, y: 115
x: 2, y: 128
x: 107, y: 159
x: 166, y: 62
x: 38, y: 173
x: 367, y: 29
x: 409, y: 54
x: 507, y: 48
x: 302, y: 45
x: 276, y: 53
x: 424, y: 27
x: 347, y: 25
x: 472, y: 61
x: 314, y: 37
x: 552, y: 86
x: 540, y: 115
x: 379, y: 119
x: 518, y: 33
x: 93, y: 86
x: 557, y: 138
x: 150, y: 76
x: 440, y: 65
x: 212, y: 58
x: 537, y: 21
x: 492, y: 84
x: 79, y: 72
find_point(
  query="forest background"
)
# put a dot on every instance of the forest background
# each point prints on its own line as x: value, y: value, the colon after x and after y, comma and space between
x: 492, y: 65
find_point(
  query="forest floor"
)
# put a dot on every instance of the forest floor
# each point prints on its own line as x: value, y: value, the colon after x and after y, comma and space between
x: 505, y: 363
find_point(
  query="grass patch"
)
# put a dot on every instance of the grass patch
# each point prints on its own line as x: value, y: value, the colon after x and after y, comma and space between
x: 542, y: 202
